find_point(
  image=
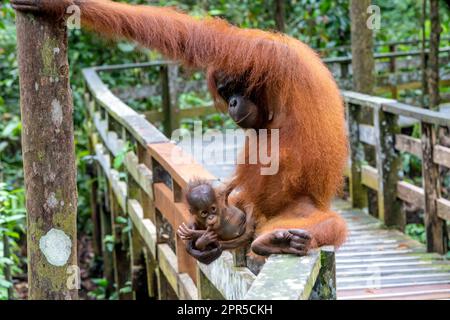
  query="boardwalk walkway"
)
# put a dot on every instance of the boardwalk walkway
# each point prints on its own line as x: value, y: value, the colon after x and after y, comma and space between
x: 375, y: 262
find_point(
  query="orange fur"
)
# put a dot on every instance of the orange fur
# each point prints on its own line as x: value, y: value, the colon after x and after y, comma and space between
x: 297, y: 87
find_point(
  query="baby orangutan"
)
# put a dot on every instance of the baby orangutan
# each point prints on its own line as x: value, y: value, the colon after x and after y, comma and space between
x: 215, y: 226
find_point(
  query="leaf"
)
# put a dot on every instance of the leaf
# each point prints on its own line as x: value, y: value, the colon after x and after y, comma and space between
x: 121, y: 220
x: 12, y: 218
x: 118, y: 161
x: 10, y: 128
x: 5, y: 284
x: 126, y: 46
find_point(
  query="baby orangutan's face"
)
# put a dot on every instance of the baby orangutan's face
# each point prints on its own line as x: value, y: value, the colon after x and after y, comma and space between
x: 203, y: 205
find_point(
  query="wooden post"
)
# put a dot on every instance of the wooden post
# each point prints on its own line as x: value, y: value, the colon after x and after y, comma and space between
x: 393, y: 70
x: 325, y: 287
x: 358, y: 193
x: 186, y: 263
x: 423, y: 55
x: 280, y: 15
x: 48, y: 157
x: 121, y: 259
x: 345, y: 75
x: 92, y: 173
x: 436, y: 228
x: 105, y: 230
x: 165, y: 95
x: 168, y: 74
x: 388, y: 166
x: 137, y: 263
x: 433, y: 62
x: 362, y: 47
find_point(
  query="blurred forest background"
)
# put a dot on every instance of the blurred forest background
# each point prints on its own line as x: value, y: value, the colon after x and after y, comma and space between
x: 320, y: 23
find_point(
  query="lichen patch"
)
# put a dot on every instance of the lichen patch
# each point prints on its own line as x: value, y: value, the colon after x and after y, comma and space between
x: 56, y: 247
x: 52, y: 202
x: 57, y: 114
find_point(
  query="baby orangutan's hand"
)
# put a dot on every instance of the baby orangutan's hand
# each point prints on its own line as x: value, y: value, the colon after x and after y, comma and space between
x: 206, y: 239
x: 185, y: 233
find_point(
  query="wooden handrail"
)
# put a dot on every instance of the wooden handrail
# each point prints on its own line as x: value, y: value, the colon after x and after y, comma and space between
x: 379, y: 56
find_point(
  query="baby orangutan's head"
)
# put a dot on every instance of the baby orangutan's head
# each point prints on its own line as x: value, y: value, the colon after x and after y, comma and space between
x: 202, y: 201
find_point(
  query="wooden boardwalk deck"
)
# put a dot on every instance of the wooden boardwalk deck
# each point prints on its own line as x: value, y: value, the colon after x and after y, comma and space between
x: 375, y: 262
x: 378, y: 263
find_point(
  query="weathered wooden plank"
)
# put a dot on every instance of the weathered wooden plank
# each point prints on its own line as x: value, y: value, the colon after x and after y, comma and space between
x: 364, y: 100
x: 395, y: 107
x: 443, y: 208
x: 181, y: 283
x: 286, y: 277
x: 413, y: 283
x: 198, y: 111
x: 408, y: 144
x: 144, y: 132
x: 164, y: 202
x: 325, y: 287
x: 367, y: 134
x: 411, y: 194
x: 424, y: 115
x: 357, y: 193
x: 378, y: 56
x: 186, y: 263
x: 441, y: 155
x: 119, y: 187
x: 436, y: 228
x: 168, y: 265
x: 388, y: 165
x: 406, y: 294
x: 187, y: 289
x: 141, y: 174
x: 369, y: 177
x: 181, y: 166
x: 232, y: 282
x: 410, y: 292
x: 140, y: 65
x: 145, y: 227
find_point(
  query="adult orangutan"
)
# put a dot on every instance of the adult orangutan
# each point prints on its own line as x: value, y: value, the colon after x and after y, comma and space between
x: 264, y: 80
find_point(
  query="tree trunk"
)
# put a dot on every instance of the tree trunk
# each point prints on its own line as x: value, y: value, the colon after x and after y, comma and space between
x: 423, y: 55
x: 362, y: 47
x: 433, y: 63
x: 48, y: 157
x: 280, y: 15
x: 363, y: 77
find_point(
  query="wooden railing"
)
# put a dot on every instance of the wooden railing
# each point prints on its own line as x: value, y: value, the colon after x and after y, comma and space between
x: 396, y: 72
x: 137, y: 205
x: 384, y: 135
x: 389, y: 46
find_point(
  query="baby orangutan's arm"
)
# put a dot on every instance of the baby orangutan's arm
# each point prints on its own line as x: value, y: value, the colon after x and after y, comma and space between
x: 189, y: 232
x: 208, y: 237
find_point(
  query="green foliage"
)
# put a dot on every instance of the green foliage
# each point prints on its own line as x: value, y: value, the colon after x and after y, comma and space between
x: 109, y: 241
x: 119, y: 159
x: 416, y: 231
x: 99, y: 293
x: 12, y: 217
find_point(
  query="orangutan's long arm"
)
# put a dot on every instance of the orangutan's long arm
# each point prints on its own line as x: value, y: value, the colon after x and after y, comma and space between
x: 196, y: 42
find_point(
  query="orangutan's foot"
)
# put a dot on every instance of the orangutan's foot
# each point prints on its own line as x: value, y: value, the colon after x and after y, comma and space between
x: 293, y: 241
